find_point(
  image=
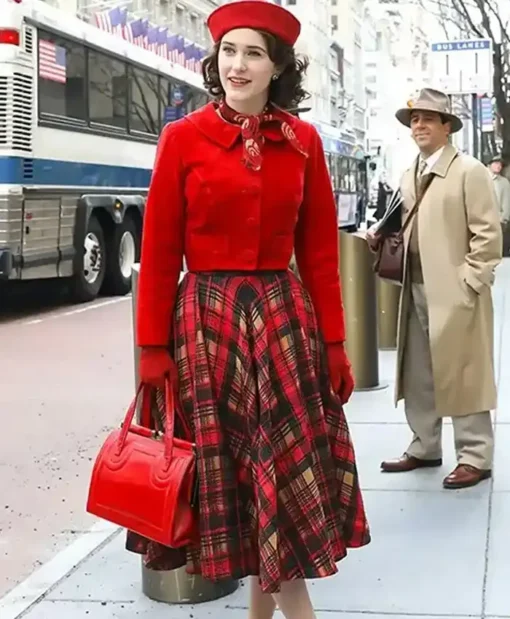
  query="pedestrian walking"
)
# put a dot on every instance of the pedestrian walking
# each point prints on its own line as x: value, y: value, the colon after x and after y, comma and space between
x: 257, y: 357
x: 445, y: 358
x: 502, y: 187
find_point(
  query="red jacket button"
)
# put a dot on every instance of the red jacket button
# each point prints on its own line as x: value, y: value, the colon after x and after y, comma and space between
x: 251, y: 221
x: 248, y: 255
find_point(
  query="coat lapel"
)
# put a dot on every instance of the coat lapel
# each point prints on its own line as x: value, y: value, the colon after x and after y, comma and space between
x: 442, y: 165
x: 409, y: 190
x: 440, y: 168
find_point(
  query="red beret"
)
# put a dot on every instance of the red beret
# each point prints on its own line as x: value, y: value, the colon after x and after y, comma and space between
x: 257, y: 15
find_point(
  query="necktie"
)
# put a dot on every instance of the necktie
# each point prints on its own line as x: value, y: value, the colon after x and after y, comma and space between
x: 421, y: 177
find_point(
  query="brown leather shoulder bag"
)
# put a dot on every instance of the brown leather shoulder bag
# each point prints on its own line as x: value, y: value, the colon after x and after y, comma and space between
x: 389, y: 262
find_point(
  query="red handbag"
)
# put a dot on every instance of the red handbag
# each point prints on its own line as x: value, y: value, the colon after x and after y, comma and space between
x: 146, y: 485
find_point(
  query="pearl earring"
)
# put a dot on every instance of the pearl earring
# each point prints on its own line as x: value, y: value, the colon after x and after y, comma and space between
x: 275, y: 77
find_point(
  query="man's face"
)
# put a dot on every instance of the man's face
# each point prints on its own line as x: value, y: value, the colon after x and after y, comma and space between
x: 496, y: 167
x: 428, y: 131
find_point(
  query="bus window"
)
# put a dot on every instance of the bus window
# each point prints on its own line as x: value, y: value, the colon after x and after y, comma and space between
x: 335, y: 172
x: 352, y: 176
x: 172, y: 98
x: 143, y: 102
x: 329, y: 165
x: 62, y: 74
x: 107, y: 90
x: 344, y: 174
x: 177, y: 100
x: 197, y: 100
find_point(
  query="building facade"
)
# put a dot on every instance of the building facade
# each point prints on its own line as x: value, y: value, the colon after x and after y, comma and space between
x: 396, y: 34
x: 387, y: 88
x: 315, y: 42
x: 347, y: 31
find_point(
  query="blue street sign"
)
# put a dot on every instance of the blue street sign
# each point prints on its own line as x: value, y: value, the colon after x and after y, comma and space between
x: 461, y: 46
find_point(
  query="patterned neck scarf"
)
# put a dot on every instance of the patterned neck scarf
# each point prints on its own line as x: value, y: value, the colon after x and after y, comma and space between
x: 251, y: 132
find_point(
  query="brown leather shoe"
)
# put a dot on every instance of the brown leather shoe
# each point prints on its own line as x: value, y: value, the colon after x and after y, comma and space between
x: 408, y: 463
x: 465, y: 476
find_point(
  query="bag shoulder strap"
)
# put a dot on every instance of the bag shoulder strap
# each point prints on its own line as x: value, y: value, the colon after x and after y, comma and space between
x: 417, y: 203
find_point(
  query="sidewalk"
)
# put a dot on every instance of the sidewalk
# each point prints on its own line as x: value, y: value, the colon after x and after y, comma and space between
x: 435, y: 553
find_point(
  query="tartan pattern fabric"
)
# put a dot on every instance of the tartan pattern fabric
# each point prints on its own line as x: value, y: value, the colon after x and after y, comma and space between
x: 279, y: 495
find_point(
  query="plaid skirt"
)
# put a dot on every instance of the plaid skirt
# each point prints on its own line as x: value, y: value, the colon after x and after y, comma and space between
x: 279, y: 495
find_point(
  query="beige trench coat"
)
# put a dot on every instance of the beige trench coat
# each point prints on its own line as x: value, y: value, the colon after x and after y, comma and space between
x: 460, y: 246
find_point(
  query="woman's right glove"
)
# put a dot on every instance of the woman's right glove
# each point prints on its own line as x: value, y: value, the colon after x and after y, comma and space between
x: 340, y: 371
x: 156, y: 364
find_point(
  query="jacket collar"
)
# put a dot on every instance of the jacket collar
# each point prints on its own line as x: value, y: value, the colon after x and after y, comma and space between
x: 210, y: 123
x: 442, y: 165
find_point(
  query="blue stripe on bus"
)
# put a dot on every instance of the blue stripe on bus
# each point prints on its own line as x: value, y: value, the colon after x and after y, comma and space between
x: 20, y: 171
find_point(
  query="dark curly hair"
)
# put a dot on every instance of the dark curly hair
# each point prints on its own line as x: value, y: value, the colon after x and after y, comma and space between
x: 286, y: 92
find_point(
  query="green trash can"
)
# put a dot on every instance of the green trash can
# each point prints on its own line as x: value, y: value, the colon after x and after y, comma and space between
x: 175, y: 586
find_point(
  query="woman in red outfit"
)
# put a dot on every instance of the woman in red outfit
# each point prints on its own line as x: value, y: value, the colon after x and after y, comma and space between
x: 257, y: 357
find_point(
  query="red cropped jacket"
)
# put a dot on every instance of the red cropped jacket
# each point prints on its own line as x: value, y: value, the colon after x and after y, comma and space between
x: 206, y: 206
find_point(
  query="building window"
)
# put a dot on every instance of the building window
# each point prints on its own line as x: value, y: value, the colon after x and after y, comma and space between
x: 143, y: 102
x: 179, y: 15
x: 62, y: 72
x: 334, y: 22
x: 195, y: 34
x: 107, y: 90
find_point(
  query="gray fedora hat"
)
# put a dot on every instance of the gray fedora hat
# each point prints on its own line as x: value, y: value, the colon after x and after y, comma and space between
x: 430, y: 100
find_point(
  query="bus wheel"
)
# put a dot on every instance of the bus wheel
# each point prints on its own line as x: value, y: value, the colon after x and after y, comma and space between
x: 122, y: 252
x: 88, y: 281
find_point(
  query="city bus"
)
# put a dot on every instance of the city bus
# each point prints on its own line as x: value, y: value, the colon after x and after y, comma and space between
x: 81, y: 110
x: 347, y: 164
x: 80, y: 114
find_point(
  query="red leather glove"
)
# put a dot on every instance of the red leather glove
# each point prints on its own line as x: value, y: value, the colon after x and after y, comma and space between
x: 155, y: 364
x: 340, y: 372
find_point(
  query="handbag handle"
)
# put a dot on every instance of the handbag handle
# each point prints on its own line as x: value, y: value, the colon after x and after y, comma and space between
x: 168, y: 437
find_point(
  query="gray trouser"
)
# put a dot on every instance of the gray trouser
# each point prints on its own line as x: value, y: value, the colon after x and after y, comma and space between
x: 474, y: 439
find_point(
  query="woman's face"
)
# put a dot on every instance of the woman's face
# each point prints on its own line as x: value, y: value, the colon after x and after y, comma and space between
x: 245, y: 70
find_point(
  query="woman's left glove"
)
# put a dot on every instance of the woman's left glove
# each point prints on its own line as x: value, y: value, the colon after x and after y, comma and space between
x: 340, y: 371
x: 156, y: 364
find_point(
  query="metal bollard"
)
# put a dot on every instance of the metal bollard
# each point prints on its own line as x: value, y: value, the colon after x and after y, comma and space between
x: 360, y: 303
x: 175, y: 586
x: 388, y: 298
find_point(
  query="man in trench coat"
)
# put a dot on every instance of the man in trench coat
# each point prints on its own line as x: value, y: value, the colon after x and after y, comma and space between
x: 445, y: 360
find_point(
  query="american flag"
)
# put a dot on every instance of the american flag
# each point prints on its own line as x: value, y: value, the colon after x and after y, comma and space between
x: 52, y: 62
x: 112, y: 21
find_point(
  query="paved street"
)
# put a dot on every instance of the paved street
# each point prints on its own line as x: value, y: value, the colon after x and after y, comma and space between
x: 67, y: 373
x: 435, y: 553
